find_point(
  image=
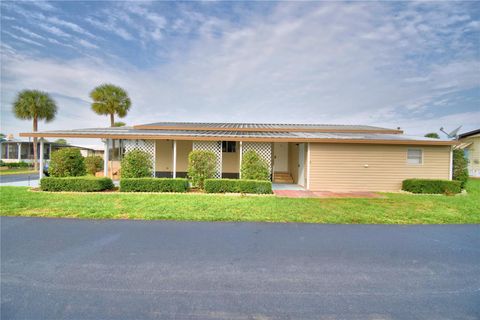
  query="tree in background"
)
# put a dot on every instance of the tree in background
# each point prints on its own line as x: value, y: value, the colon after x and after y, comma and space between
x: 111, y: 100
x: 34, y: 105
x: 433, y: 135
x: 460, y: 169
x: 61, y: 141
x: 119, y: 124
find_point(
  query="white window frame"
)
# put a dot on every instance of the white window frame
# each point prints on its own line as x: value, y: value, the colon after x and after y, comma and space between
x: 421, y: 157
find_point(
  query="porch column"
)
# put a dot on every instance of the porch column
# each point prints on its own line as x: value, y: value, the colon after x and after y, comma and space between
x: 50, y: 151
x: 241, y: 157
x: 105, y: 158
x: 174, y: 158
x: 40, y: 169
x: 19, y: 146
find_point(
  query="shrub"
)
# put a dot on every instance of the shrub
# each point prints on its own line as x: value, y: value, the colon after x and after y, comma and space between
x: 136, y: 164
x: 432, y: 186
x: 254, y: 167
x: 460, y: 169
x: 20, y: 164
x: 201, y: 166
x: 93, y: 164
x: 2, y: 164
x: 153, y: 185
x: 67, y: 162
x: 238, y: 186
x: 78, y: 184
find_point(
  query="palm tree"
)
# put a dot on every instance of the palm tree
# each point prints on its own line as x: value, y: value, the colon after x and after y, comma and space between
x: 34, y: 105
x: 109, y: 99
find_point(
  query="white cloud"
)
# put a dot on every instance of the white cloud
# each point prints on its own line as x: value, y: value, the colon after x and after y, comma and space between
x: 70, y: 25
x: 110, y: 26
x: 54, y: 30
x: 23, y: 39
x: 28, y: 32
x: 44, y: 5
x: 87, y: 44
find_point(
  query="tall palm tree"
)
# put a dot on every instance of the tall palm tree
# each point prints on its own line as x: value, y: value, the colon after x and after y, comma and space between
x: 109, y: 99
x: 34, y: 105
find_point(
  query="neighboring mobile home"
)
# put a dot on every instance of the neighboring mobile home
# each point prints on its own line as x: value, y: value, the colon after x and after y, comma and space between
x: 317, y: 157
x: 470, y: 143
x: 14, y: 150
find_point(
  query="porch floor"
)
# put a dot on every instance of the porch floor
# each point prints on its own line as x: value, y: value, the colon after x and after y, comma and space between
x: 286, y: 186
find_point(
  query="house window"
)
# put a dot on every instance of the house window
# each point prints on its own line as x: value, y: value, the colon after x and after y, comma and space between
x: 414, y: 156
x: 229, y: 146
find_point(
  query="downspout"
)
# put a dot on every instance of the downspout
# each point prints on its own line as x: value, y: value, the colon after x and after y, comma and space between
x: 450, y: 175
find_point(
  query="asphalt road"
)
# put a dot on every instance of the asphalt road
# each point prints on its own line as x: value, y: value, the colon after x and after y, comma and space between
x: 73, y: 269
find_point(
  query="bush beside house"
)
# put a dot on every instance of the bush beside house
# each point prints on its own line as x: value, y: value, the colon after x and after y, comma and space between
x: 253, y: 167
x: 153, y: 185
x: 201, y: 166
x: 76, y: 184
x: 93, y: 164
x: 460, y: 167
x: 136, y: 164
x: 432, y: 186
x: 238, y: 186
x: 67, y: 162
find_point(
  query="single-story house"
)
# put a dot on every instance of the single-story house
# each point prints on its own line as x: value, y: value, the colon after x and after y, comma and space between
x: 315, y: 156
x: 470, y: 143
x: 14, y: 150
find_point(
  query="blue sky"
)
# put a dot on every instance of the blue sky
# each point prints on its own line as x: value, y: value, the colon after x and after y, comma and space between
x: 414, y: 65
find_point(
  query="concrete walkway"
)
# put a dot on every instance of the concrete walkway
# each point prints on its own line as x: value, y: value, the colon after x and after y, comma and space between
x: 324, y: 194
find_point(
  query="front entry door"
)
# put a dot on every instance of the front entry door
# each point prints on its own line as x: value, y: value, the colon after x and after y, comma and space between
x: 280, y: 157
x: 301, y: 163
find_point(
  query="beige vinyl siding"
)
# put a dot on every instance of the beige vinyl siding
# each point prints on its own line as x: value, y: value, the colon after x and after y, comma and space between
x: 342, y: 167
x: 183, y: 150
x: 231, y: 160
x: 164, y: 155
x: 473, y: 154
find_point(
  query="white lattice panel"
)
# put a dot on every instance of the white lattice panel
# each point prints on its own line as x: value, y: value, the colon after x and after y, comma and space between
x: 216, y: 148
x: 147, y: 146
x: 264, y: 150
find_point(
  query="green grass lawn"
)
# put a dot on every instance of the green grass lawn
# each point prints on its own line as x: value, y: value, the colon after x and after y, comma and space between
x: 16, y: 171
x: 393, y: 209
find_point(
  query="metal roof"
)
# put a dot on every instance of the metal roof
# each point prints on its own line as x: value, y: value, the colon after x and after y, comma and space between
x: 257, y: 126
x: 468, y: 134
x: 269, y: 136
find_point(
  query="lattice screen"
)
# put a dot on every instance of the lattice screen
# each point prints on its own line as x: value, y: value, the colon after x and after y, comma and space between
x: 264, y: 150
x: 147, y: 146
x: 216, y: 148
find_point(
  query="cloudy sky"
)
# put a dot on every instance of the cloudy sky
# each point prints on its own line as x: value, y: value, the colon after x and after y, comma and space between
x: 414, y: 65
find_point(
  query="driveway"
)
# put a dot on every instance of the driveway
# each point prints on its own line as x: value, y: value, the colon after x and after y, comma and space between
x: 74, y: 269
x: 19, y: 180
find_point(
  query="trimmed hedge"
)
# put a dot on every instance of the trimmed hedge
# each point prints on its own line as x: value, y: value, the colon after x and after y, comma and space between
x: 238, y: 186
x: 20, y: 164
x: 432, y: 186
x: 153, y: 185
x: 78, y: 184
